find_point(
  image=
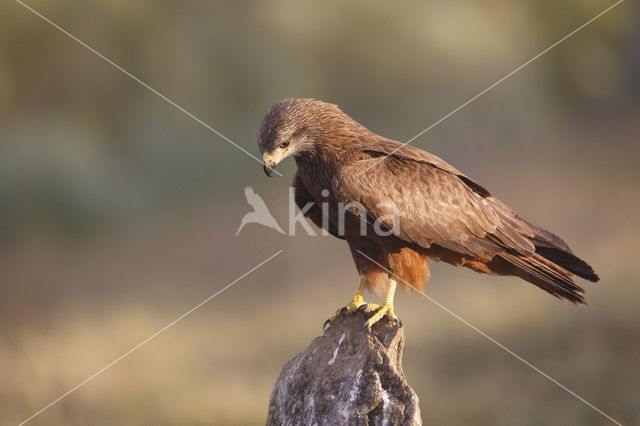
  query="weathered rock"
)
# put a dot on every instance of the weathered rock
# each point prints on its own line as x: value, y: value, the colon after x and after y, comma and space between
x: 348, y: 376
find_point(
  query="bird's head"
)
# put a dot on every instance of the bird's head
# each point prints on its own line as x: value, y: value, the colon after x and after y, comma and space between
x: 288, y: 130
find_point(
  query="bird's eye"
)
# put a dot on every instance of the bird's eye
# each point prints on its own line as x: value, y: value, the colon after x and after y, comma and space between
x: 284, y: 144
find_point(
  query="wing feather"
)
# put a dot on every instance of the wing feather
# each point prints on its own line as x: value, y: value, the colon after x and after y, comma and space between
x: 433, y: 205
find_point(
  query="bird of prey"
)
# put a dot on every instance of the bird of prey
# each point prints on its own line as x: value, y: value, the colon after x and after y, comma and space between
x: 438, y: 212
x: 260, y: 213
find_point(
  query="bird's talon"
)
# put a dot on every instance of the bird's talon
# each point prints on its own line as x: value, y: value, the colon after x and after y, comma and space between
x: 344, y: 311
x: 324, y: 326
x: 384, y: 310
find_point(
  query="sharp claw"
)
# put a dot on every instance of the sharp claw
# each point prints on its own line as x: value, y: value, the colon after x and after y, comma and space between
x: 324, y: 326
x: 344, y: 311
x: 362, y: 308
x: 397, y: 322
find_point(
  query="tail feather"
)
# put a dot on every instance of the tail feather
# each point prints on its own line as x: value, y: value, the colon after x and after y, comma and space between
x: 568, y: 261
x: 553, y: 248
x: 541, y: 272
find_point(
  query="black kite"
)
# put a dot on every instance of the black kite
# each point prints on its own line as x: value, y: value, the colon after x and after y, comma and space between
x: 440, y: 213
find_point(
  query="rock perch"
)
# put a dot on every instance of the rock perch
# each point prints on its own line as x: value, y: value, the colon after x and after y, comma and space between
x: 348, y: 376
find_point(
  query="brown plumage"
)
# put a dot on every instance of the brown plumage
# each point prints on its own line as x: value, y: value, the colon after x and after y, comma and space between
x: 440, y: 213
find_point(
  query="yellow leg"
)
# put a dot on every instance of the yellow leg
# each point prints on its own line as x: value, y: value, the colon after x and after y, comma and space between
x: 358, y: 298
x: 387, y: 306
x: 355, y: 304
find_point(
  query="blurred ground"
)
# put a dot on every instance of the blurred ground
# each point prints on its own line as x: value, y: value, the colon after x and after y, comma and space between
x: 118, y: 213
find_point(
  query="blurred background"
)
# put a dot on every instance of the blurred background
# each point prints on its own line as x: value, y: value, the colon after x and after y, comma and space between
x: 118, y: 212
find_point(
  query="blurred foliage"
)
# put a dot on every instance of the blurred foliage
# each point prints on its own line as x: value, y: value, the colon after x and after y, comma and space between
x: 83, y: 144
x: 118, y: 211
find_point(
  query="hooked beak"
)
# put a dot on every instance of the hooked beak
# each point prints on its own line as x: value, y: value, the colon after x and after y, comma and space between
x: 268, y: 168
x: 269, y: 163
